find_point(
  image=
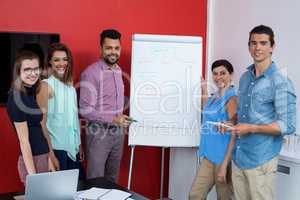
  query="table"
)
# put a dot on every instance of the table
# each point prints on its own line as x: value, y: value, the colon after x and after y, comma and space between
x: 87, y: 184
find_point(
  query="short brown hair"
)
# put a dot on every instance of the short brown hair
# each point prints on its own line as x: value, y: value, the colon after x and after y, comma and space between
x: 68, y: 76
x: 262, y: 29
x: 17, y: 83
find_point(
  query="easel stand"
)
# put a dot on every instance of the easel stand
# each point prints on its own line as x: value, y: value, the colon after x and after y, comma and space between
x: 130, y: 167
x: 161, y: 170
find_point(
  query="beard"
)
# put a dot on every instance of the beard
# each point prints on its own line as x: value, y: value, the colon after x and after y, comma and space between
x: 110, y: 59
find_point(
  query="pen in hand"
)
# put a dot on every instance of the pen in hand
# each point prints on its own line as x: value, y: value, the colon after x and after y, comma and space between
x: 131, y: 119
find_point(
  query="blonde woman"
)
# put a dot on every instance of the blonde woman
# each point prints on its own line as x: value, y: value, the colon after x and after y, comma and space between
x: 26, y: 115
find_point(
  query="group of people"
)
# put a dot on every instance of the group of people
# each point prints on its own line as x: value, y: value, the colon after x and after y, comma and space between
x: 45, y: 116
x: 248, y: 126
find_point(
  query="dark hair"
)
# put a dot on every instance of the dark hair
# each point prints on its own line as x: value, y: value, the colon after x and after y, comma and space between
x: 262, y: 29
x: 17, y: 82
x: 68, y: 77
x: 222, y: 62
x: 109, y: 33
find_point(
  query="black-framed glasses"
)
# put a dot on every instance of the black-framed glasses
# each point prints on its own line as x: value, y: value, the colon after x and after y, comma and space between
x: 28, y: 71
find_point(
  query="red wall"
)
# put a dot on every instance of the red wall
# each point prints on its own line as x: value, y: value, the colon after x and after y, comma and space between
x: 79, y: 23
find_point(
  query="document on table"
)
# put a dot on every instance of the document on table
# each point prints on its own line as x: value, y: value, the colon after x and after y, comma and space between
x: 116, y: 195
x: 102, y: 194
x: 93, y: 193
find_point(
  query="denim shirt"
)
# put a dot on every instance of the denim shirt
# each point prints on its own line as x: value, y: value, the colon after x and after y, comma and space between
x: 263, y: 100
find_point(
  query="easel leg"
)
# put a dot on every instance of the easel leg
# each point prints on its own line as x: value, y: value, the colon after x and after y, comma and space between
x: 130, y: 167
x: 162, y: 172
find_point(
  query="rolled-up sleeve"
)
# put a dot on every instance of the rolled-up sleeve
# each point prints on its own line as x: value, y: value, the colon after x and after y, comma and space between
x: 285, y: 105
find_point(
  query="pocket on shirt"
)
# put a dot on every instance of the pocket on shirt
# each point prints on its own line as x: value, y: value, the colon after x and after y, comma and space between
x: 262, y: 105
x: 264, y: 95
x: 262, y: 100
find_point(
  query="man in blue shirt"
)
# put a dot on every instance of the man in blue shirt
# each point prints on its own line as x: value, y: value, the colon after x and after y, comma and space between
x: 266, y: 112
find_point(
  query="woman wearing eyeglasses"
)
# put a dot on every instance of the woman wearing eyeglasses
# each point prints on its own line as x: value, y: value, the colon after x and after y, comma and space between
x: 26, y: 115
x: 58, y: 99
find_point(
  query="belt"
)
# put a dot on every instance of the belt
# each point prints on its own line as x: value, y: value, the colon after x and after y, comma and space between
x: 104, y: 125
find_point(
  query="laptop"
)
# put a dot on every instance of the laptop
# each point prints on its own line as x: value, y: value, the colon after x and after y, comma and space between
x: 59, y: 185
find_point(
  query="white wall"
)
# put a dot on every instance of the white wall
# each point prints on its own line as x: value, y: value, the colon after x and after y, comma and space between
x: 228, y: 30
x: 229, y: 23
x: 183, y: 167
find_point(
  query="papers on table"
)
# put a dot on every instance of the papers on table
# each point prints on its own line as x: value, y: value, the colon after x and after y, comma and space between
x: 116, y: 195
x: 102, y: 194
x: 93, y: 193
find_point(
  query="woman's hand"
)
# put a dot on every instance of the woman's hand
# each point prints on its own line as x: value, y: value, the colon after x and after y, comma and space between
x: 51, y: 167
x: 53, y: 162
x: 225, y: 126
x: 221, y: 174
x: 81, y: 153
x: 204, y: 87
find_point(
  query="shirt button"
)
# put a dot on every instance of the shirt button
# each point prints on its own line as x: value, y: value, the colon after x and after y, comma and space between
x: 246, y: 105
x: 244, y: 116
x: 249, y: 95
x: 238, y: 147
x: 252, y: 83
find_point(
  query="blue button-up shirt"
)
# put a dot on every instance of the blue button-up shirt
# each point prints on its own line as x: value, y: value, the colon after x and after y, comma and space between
x: 263, y: 100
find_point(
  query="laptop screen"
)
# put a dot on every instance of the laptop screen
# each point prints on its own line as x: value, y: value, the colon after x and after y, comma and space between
x: 60, y: 185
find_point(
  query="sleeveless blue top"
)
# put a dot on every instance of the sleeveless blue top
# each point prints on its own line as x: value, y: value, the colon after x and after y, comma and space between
x: 213, y: 144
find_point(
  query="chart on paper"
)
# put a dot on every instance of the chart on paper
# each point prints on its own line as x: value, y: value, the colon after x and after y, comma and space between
x: 165, y: 89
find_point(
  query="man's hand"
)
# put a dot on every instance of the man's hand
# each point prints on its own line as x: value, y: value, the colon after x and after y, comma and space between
x: 242, y: 129
x: 121, y: 120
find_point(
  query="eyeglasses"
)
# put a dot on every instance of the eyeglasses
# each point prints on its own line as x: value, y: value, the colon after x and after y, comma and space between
x: 28, y: 71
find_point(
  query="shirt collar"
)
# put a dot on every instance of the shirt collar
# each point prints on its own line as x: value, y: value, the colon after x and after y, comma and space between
x: 268, y: 72
x: 106, y: 67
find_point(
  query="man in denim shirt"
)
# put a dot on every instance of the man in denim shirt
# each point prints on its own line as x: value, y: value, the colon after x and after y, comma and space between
x: 266, y: 112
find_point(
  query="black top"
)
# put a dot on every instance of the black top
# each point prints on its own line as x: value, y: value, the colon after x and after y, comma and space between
x: 23, y: 107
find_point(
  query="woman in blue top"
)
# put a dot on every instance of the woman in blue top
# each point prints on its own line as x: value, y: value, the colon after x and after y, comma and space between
x: 215, y: 148
x: 58, y: 99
